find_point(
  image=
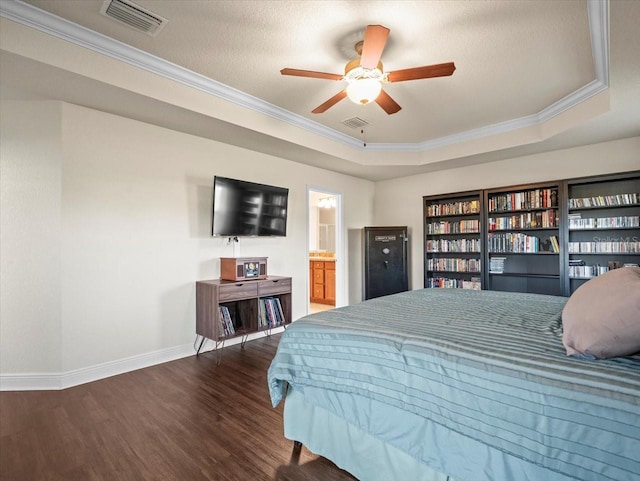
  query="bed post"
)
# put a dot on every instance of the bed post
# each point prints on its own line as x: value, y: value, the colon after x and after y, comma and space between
x: 295, y: 453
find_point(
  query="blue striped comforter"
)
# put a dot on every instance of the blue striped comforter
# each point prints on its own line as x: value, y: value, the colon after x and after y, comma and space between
x: 489, y: 366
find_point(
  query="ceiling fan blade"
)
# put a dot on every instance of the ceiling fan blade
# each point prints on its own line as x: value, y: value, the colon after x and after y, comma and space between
x: 429, y: 71
x: 330, y: 103
x: 387, y: 103
x: 310, y: 73
x: 375, y: 38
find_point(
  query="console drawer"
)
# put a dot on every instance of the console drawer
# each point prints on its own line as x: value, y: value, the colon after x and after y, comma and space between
x: 237, y: 291
x: 270, y: 287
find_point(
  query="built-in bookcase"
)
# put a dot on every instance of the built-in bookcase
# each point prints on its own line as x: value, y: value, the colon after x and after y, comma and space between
x: 523, y: 238
x: 603, y: 226
x: 453, y: 240
x: 544, y: 238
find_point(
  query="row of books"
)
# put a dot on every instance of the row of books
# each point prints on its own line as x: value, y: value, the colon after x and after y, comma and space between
x: 530, y: 199
x: 454, y: 265
x: 449, y: 245
x: 531, y: 220
x: 613, y: 247
x: 270, y: 313
x: 457, y: 227
x: 605, y: 200
x: 517, y: 242
x: 576, y: 222
x: 587, y: 271
x: 453, y: 208
x: 447, y: 283
x: 227, y: 327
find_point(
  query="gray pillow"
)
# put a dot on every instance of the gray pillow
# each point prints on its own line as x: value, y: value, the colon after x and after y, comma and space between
x: 601, y: 319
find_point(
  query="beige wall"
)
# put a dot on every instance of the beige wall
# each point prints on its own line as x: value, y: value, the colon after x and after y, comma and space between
x: 115, y: 215
x: 399, y: 201
x: 30, y: 237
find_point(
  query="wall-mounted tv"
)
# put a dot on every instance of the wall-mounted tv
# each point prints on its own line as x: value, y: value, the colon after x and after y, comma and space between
x: 248, y: 209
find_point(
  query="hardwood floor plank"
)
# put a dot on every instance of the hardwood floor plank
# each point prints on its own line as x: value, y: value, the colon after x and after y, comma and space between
x: 189, y: 419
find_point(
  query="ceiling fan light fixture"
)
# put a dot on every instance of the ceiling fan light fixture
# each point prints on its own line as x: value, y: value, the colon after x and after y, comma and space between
x: 363, y: 91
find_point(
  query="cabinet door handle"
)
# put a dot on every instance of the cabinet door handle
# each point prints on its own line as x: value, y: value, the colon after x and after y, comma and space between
x: 239, y: 285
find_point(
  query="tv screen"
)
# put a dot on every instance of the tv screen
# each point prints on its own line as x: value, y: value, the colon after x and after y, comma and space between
x: 243, y: 208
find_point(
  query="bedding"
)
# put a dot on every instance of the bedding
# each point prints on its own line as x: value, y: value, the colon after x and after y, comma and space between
x: 485, y: 372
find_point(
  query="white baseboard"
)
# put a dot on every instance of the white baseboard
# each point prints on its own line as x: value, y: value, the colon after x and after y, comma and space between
x: 56, y: 381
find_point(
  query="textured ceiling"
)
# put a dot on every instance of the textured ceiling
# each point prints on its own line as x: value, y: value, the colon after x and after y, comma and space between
x: 514, y: 59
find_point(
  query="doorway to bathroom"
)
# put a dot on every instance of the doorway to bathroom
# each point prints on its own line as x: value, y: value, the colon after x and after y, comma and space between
x: 325, y: 252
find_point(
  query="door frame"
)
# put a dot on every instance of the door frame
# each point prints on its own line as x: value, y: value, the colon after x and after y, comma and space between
x: 341, y: 260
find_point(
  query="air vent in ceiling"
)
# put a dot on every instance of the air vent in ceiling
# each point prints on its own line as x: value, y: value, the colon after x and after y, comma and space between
x: 134, y: 16
x: 355, y: 122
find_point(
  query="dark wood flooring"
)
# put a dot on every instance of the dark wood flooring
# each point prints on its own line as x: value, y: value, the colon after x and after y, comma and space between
x: 183, y: 420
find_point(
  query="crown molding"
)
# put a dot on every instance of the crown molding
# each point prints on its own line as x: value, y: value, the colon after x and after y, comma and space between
x: 598, y: 12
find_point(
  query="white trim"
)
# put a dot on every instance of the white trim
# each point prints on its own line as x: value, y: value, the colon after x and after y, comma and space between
x: 63, y: 380
x: 598, y: 12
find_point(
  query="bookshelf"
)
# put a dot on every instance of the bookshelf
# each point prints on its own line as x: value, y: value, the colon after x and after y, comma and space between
x: 523, y: 238
x: 453, y: 240
x: 602, y: 225
x: 229, y: 309
x: 545, y: 238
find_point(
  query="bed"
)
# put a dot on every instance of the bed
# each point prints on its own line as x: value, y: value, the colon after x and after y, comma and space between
x: 451, y: 384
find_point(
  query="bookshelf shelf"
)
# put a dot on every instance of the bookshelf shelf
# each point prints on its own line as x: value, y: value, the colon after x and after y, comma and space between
x: 464, y: 234
x: 605, y: 253
x: 457, y: 253
x: 602, y: 207
x: 523, y: 229
x: 525, y: 274
x: 513, y: 253
x: 448, y: 216
x: 454, y: 272
x: 604, y: 228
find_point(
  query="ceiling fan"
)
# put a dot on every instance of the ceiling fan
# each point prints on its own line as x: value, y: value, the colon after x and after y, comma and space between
x: 365, y: 75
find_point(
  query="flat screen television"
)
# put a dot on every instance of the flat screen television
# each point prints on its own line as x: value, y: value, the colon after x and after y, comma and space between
x: 248, y: 209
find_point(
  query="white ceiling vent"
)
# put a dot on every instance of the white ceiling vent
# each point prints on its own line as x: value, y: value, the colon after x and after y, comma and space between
x: 134, y: 16
x: 355, y: 122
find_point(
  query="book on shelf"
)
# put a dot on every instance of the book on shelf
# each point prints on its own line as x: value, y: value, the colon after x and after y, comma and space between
x: 270, y: 313
x: 454, y: 264
x: 496, y: 265
x: 454, y: 227
x: 473, y: 284
x: 616, y: 222
x: 531, y: 199
x: 605, y: 200
x: 226, y: 324
x: 454, y: 208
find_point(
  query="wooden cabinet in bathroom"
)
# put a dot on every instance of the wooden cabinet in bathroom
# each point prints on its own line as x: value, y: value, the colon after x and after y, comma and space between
x: 322, y: 279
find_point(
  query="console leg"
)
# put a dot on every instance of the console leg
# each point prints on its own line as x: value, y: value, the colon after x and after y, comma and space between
x: 200, y: 346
